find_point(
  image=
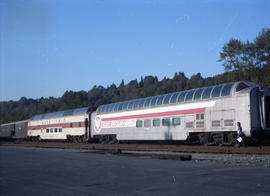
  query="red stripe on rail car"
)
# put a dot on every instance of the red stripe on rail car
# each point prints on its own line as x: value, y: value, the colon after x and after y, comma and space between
x: 159, y: 114
x: 63, y: 125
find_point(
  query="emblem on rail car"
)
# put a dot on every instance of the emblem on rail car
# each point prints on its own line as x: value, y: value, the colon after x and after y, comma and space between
x: 97, y: 124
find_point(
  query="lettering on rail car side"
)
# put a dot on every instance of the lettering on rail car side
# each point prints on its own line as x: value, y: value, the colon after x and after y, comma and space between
x: 99, y: 124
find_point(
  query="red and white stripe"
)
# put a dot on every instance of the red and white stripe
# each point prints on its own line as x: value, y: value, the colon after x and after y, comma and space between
x: 190, y: 108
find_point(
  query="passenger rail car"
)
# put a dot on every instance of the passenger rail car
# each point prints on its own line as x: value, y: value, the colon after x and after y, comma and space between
x: 64, y: 125
x: 206, y: 115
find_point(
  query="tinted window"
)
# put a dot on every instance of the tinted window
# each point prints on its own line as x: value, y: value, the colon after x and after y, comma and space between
x: 226, y: 91
x: 47, y: 130
x: 166, y: 122
x: 136, y: 104
x: 98, y: 110
x: 181, y: 97
x: 147, y: 102
x: 80, y: 124
x: 55, y: 130
x: 216, y: 91
x: 207, y: 92
x: 76, y: 112
x: 167, y: 98
x: 60, y: 130
x: 139, y: 123
x: 103, y: 108
x: 241, y: 86
x: 153, y: 101
x: 70, y: 124
x: 130, y: 105
x: 125, y: 105
x: 70, y: 112
x: 189, y: 95
x: 116, y: 106
x: 120, y: 107
x: 156, y: 122
x: 176, y: 121
x: 106, y: 108
x: 160, y: 99
x: 198, y: 94
x: 174, y: 98
x: 110, y: 108
x: 141, y: 103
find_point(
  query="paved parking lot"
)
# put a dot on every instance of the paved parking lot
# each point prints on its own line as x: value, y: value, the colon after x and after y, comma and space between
x: 36, y: 171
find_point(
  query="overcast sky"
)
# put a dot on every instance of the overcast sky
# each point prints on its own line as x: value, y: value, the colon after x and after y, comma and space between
x: 50, y: 46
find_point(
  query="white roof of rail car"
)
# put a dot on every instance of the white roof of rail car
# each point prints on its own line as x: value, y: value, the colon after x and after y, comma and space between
x: 209, y: 92
x: 72, y: 112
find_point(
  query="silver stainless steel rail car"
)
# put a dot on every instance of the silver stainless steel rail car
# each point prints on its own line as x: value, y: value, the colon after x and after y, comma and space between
x: 206, y: 115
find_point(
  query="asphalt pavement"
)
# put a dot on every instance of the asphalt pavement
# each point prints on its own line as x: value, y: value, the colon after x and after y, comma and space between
x: 37, y: 171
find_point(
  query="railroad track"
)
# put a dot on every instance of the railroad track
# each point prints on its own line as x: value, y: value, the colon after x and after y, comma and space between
x: 145, y: 147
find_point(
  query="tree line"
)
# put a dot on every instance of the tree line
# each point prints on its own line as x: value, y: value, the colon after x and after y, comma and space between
x: 241, y: 61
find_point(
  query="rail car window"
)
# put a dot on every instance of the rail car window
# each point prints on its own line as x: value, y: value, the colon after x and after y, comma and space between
x: 226, y: 91
x: 110, y: 108
x: 199, y: 116
x: 51, y: 130
x: 125, y: 105
x: 147, y: 102
x: 241, y: 86
x: 198, y: 94
x: 189, y: 95
x: 176, y: 121
x: 156, y: 122
x: 120, y: 106
x: 141, y: 104
x: 174, y: 97
x: 68, y: 113
x: 207, y: 92
x: 160, y: 99
x: 167, y: 98
x: 55, y: 130
x: 181, y: 97
x: 80, y: 124
x: 153, y: 101
x: 147, y: 123
x: 47, y: 130
x: 106, y: 108
x: 166, y: 122
x: 60, y: 130
x: 136, y: 104
x: 139, y: 123
x: 99, y: 109
x: 70, y: 124
x: 216, y: 91
x: 130, y: 105
x: 116, y: 107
